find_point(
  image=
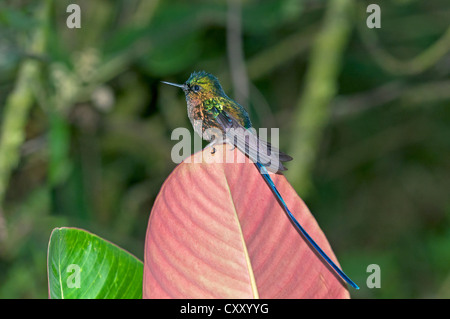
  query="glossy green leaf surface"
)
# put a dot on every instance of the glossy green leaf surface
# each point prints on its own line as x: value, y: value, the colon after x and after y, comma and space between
x: 82, y: 265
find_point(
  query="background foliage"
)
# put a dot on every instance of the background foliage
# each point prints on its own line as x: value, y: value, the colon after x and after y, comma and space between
x: 86, y: 124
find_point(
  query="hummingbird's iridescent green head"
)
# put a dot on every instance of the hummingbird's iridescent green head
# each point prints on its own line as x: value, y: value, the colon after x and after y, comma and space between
x: 199, y: 87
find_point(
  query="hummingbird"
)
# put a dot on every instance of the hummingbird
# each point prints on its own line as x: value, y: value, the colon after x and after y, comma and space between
x: 219, y: 119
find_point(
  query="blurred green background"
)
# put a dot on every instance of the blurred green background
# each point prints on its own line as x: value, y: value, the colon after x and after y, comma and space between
x: 86, y: 123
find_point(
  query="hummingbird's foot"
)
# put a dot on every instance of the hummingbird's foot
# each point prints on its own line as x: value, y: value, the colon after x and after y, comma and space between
x: 212, y: 146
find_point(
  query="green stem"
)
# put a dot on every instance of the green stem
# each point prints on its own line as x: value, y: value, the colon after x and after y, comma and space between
x: 396, y: 66
x: 313, y: 110
x: 19, y: 102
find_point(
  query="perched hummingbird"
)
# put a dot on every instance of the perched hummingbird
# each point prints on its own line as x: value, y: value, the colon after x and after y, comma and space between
x: 219, y: 119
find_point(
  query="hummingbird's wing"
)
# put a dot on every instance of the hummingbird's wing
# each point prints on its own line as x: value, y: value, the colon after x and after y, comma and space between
x: 246, y: 140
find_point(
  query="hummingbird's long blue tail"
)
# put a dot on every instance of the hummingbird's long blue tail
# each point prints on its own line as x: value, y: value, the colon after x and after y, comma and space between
x: 271, y: 184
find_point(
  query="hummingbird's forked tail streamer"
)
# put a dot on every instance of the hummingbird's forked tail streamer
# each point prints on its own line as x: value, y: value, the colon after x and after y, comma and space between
x: 271, y: 184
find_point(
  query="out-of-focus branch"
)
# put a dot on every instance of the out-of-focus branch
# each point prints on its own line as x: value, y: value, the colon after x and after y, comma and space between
x: 236, y: 57
x: 20, y: 101
x: 313, y: 109
x: 393, y: 65
x: 423, y: 93
x: 284, y: 50
x: 344, y: 106
x: 144, y: 12
x: 375, y: 147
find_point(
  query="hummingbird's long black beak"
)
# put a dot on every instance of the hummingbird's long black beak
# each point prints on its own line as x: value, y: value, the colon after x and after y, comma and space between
x: 182, y: 86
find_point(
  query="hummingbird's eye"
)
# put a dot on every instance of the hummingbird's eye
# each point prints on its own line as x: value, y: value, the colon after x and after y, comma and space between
x: 196, y: 88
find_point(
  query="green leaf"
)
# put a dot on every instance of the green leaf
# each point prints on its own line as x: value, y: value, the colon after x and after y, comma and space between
x: 83, y: 265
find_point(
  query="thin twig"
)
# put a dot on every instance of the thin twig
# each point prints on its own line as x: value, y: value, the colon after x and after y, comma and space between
x: 313, y: 109
x: 393, y: 65
x: 283, y: 51
x: 235, y: 51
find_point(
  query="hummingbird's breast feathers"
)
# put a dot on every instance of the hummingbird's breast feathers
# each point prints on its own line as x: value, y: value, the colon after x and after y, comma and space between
x: 207, y: 110
x: 220, y: 104
x: 214, y: 104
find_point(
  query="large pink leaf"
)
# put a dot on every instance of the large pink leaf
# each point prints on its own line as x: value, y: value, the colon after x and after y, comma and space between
x: 217, y: 231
